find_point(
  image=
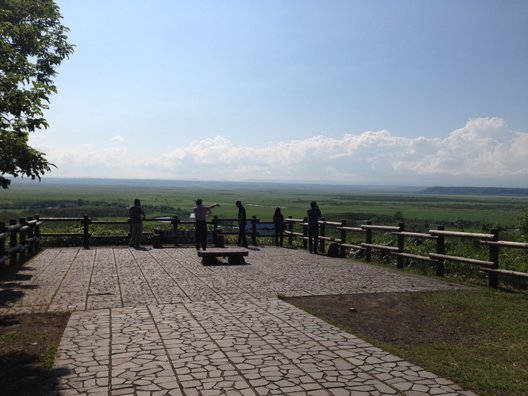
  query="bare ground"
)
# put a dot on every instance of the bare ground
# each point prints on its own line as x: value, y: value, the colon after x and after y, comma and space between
x: 28, y: 344
x: 400, y: 318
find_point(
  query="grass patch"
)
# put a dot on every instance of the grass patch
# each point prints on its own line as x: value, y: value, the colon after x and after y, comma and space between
x: 477, y: 337
x: 487, y: 349
x: 28, y: 344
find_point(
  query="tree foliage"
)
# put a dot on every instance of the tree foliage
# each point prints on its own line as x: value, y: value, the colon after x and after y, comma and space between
x: 33, y: 43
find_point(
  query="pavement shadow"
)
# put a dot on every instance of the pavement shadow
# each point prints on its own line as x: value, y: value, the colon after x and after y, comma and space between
x: 11, y: 284
x: 22, y: 374
x: 9, y: 321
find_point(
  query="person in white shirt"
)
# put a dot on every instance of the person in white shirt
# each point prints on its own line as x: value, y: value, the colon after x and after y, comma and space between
x: 200, y: 216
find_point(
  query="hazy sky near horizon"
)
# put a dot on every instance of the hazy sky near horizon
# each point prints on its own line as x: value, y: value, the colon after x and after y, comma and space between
x: 413, y: 92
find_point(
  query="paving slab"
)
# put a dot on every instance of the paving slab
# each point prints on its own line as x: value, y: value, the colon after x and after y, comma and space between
x: 253, y: 347
x: 74, y: 279
x: 158, y: 322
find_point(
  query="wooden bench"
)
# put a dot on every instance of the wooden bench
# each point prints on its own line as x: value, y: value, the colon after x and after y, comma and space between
x: 234, y: 256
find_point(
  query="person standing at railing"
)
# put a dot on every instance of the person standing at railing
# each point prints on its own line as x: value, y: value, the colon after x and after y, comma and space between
x: 137, y: 215
x: 242, y: 239
x: 313, y: 227
x: 200, y: 217
x: 279, y: 225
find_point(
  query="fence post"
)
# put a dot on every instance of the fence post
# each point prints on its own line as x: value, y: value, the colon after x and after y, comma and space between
x: 493, y: 277
x: 305, y: 233
x: 30, y: 235
x: 216, y: 223
x: 290, y: 230
x: 23, y: 240
x: 400, y: 260
x: 2, y: 240
x: 368, y: 239
x: 342, y: 249
x: 86, y: 231
x: 254, y: 222
x: 13, y: 242
x: 37, y: 233
x: 440, y: 249
x: 322, y: 233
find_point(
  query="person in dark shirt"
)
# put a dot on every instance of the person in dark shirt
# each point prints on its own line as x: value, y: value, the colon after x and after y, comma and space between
x: 242, y: 239
x: 137, y: 215
x: 279, y: 225
x: 313, y: 226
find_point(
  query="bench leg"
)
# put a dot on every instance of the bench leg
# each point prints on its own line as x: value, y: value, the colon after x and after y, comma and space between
x: 209, y: 260
x: 236, y: 260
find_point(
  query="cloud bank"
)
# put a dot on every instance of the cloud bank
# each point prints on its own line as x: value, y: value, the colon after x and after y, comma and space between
x: 484, y: 152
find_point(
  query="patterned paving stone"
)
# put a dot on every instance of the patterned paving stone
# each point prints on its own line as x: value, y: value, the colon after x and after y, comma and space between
x: 255, y: 347
x: 77, y: 279
x: 158, y: 322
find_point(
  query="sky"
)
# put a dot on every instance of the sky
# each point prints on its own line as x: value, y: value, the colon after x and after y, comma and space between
x: 407, y: 92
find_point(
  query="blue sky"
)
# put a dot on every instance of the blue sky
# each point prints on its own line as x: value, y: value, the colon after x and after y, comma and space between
x: 362, y: 92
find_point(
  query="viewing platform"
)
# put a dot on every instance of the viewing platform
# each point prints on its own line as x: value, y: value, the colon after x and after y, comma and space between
x: 157, y: 321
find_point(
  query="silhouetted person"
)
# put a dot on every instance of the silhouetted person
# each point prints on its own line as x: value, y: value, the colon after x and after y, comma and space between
x: 242, y: 239
x: 137, y: 215
x: 313, y: 226
x: 278, y: 222
x: 200, y: 229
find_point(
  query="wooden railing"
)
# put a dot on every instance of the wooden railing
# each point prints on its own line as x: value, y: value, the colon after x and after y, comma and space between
x: 21, y: 239
x: 438, y: 257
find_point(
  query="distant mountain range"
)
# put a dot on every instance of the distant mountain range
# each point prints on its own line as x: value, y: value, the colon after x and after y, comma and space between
x: 495, y: 191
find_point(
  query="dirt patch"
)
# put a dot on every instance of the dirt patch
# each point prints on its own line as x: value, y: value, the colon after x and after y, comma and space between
x: 27, y: 348
x: 399, y: 318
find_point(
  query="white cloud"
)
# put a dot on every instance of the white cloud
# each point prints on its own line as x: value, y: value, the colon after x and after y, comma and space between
x: 117, y: 139
x: 483, y: 152
x: 483, y: 149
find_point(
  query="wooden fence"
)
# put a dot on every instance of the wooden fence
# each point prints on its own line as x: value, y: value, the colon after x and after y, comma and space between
x: 21, y: 239
x: 24, y: 240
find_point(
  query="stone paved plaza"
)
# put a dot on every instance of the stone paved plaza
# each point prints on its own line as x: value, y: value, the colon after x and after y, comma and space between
x: 158, y: 322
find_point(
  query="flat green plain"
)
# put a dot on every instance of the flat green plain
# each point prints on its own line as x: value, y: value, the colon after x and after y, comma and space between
x: 107, y: 201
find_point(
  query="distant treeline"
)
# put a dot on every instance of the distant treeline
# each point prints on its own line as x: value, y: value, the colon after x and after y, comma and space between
x: 81, y: 207
x: 493, y: 191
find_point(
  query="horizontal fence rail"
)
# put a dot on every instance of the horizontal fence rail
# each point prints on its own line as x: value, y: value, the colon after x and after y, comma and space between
x: 21, y: 239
